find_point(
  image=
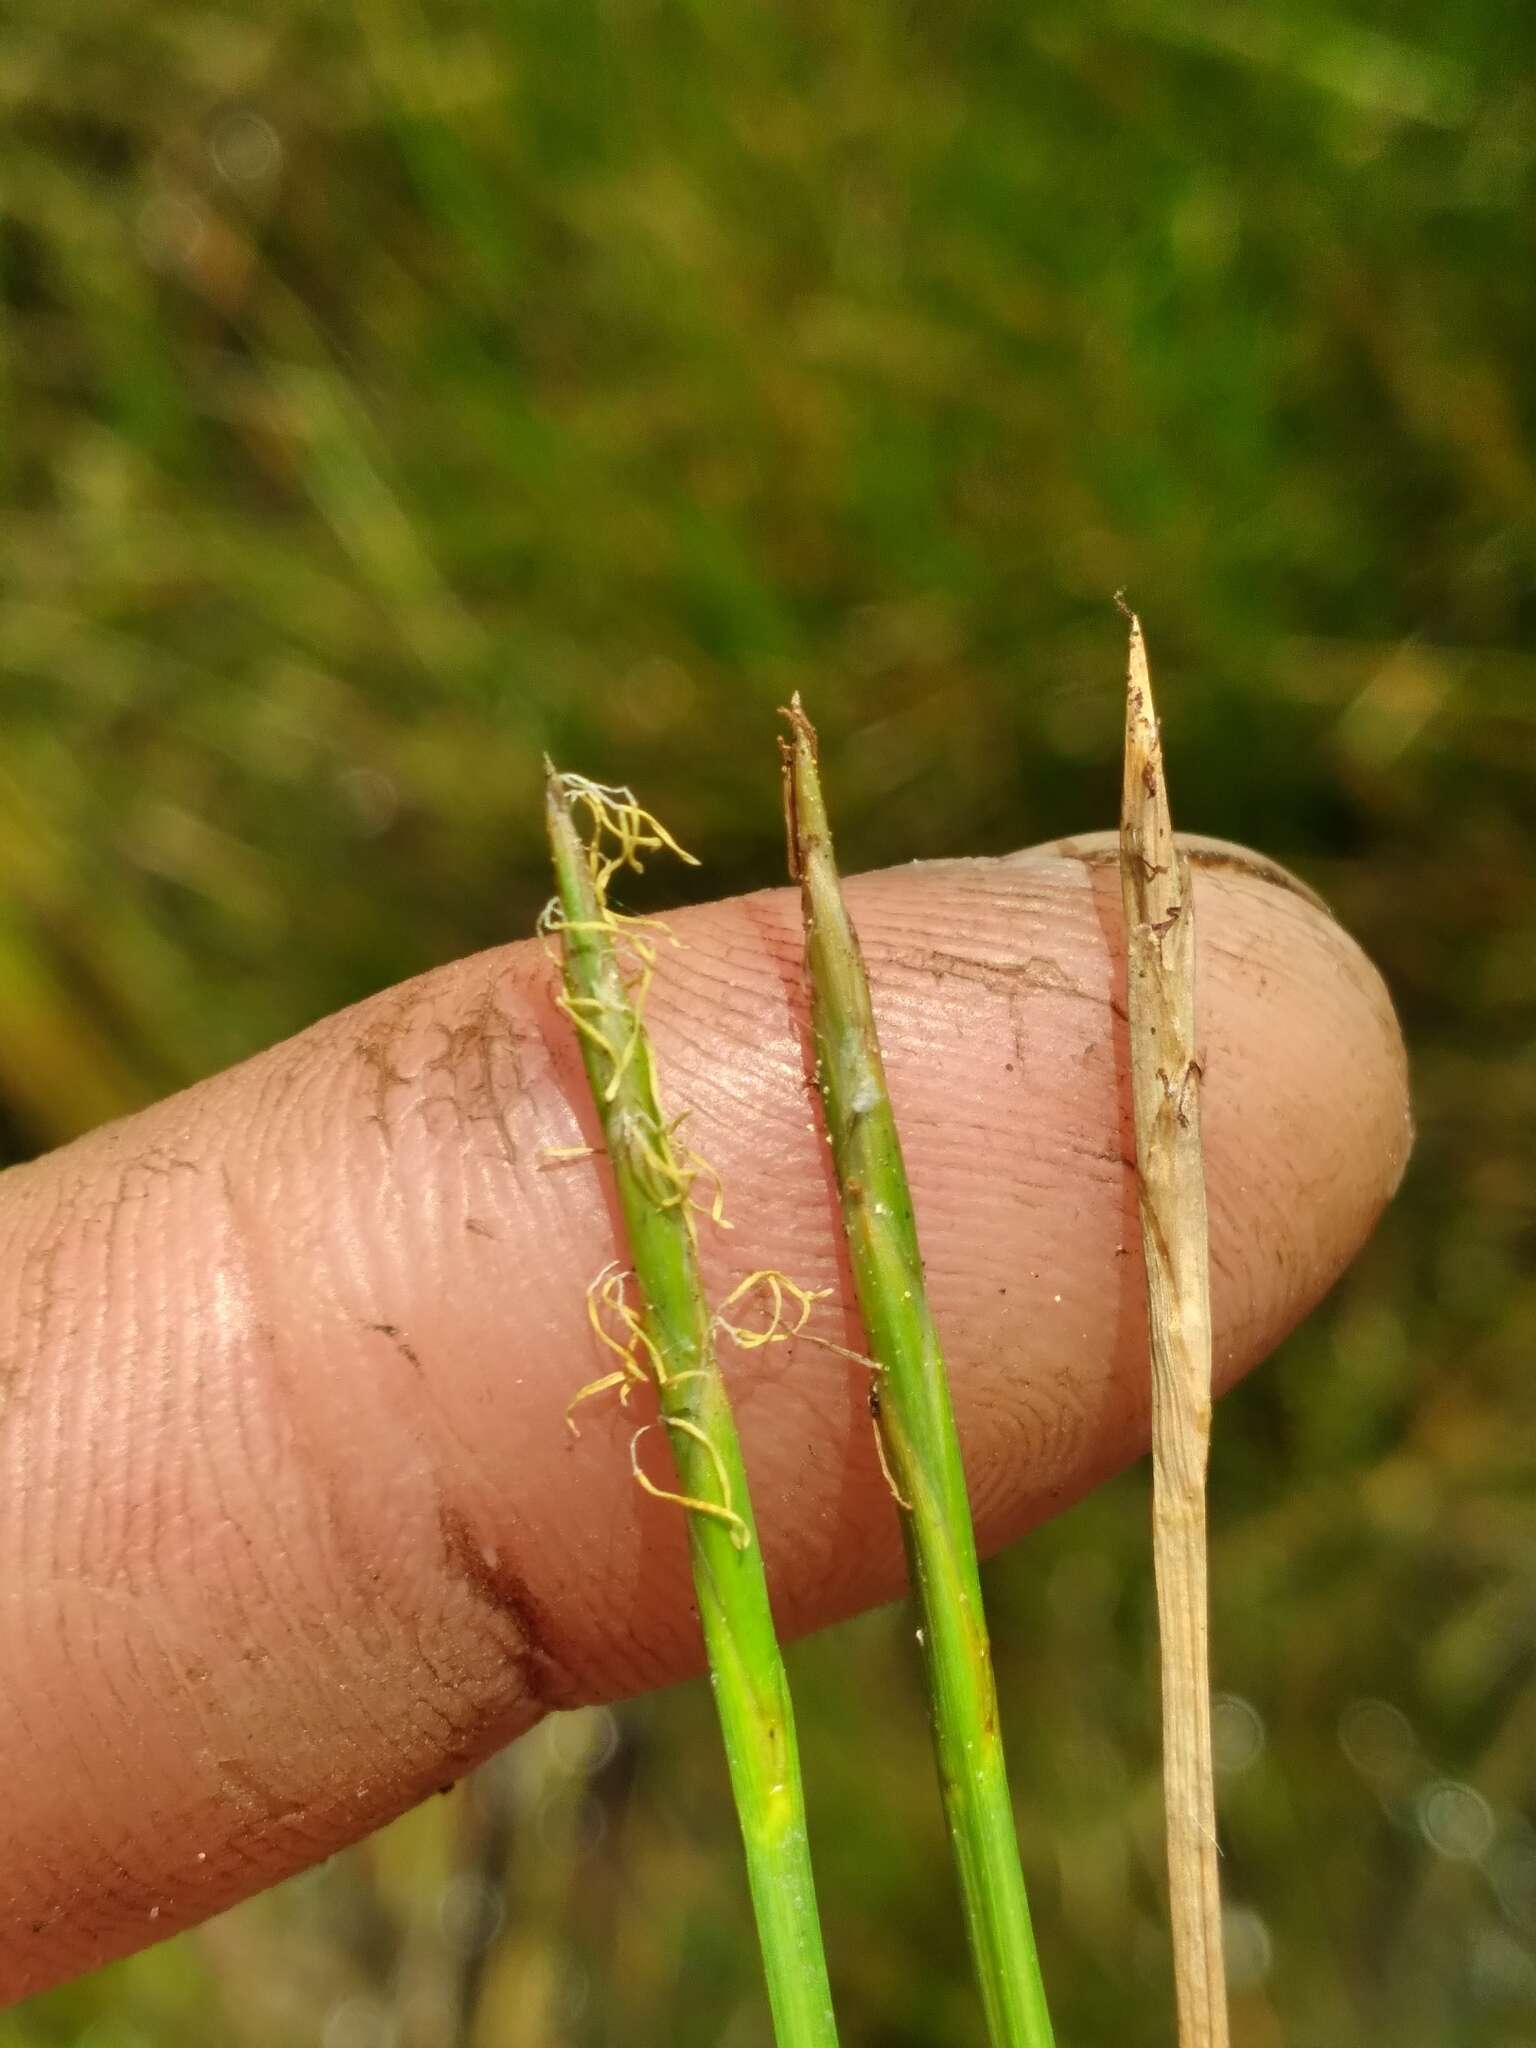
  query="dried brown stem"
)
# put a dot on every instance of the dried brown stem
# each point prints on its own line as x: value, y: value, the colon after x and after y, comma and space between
x: 1165, y: 1085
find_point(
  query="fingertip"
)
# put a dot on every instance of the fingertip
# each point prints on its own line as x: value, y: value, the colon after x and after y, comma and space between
x: 337, y: 1343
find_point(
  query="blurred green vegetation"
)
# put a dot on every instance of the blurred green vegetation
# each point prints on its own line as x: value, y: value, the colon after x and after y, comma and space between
x: 392, y: 391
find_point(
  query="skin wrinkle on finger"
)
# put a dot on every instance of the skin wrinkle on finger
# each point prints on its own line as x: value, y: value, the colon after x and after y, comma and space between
x: 287, y: 1358
x: 369, y: 1256
x: 140, y: 1593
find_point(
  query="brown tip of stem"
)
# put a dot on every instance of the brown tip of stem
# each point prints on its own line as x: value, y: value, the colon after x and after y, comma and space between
x: 797, y: 755
x: 1145, y: 827
x: 801, y: 728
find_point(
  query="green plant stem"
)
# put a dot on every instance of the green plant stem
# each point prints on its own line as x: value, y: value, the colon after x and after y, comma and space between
x: 916, y: 1425
x: 747, y: 1671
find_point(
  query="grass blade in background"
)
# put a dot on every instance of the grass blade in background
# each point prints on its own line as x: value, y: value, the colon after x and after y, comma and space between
x: 606, y: 967
x: 1165, y: 1085
x: 915, y: 1424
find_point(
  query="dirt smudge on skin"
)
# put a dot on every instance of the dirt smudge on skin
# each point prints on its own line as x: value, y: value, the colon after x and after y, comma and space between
x: 464, y: 1072
x: 1208, y: 860
x: 1002, y: 977
x: 505, y: 1594
x: 406, y: 1349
